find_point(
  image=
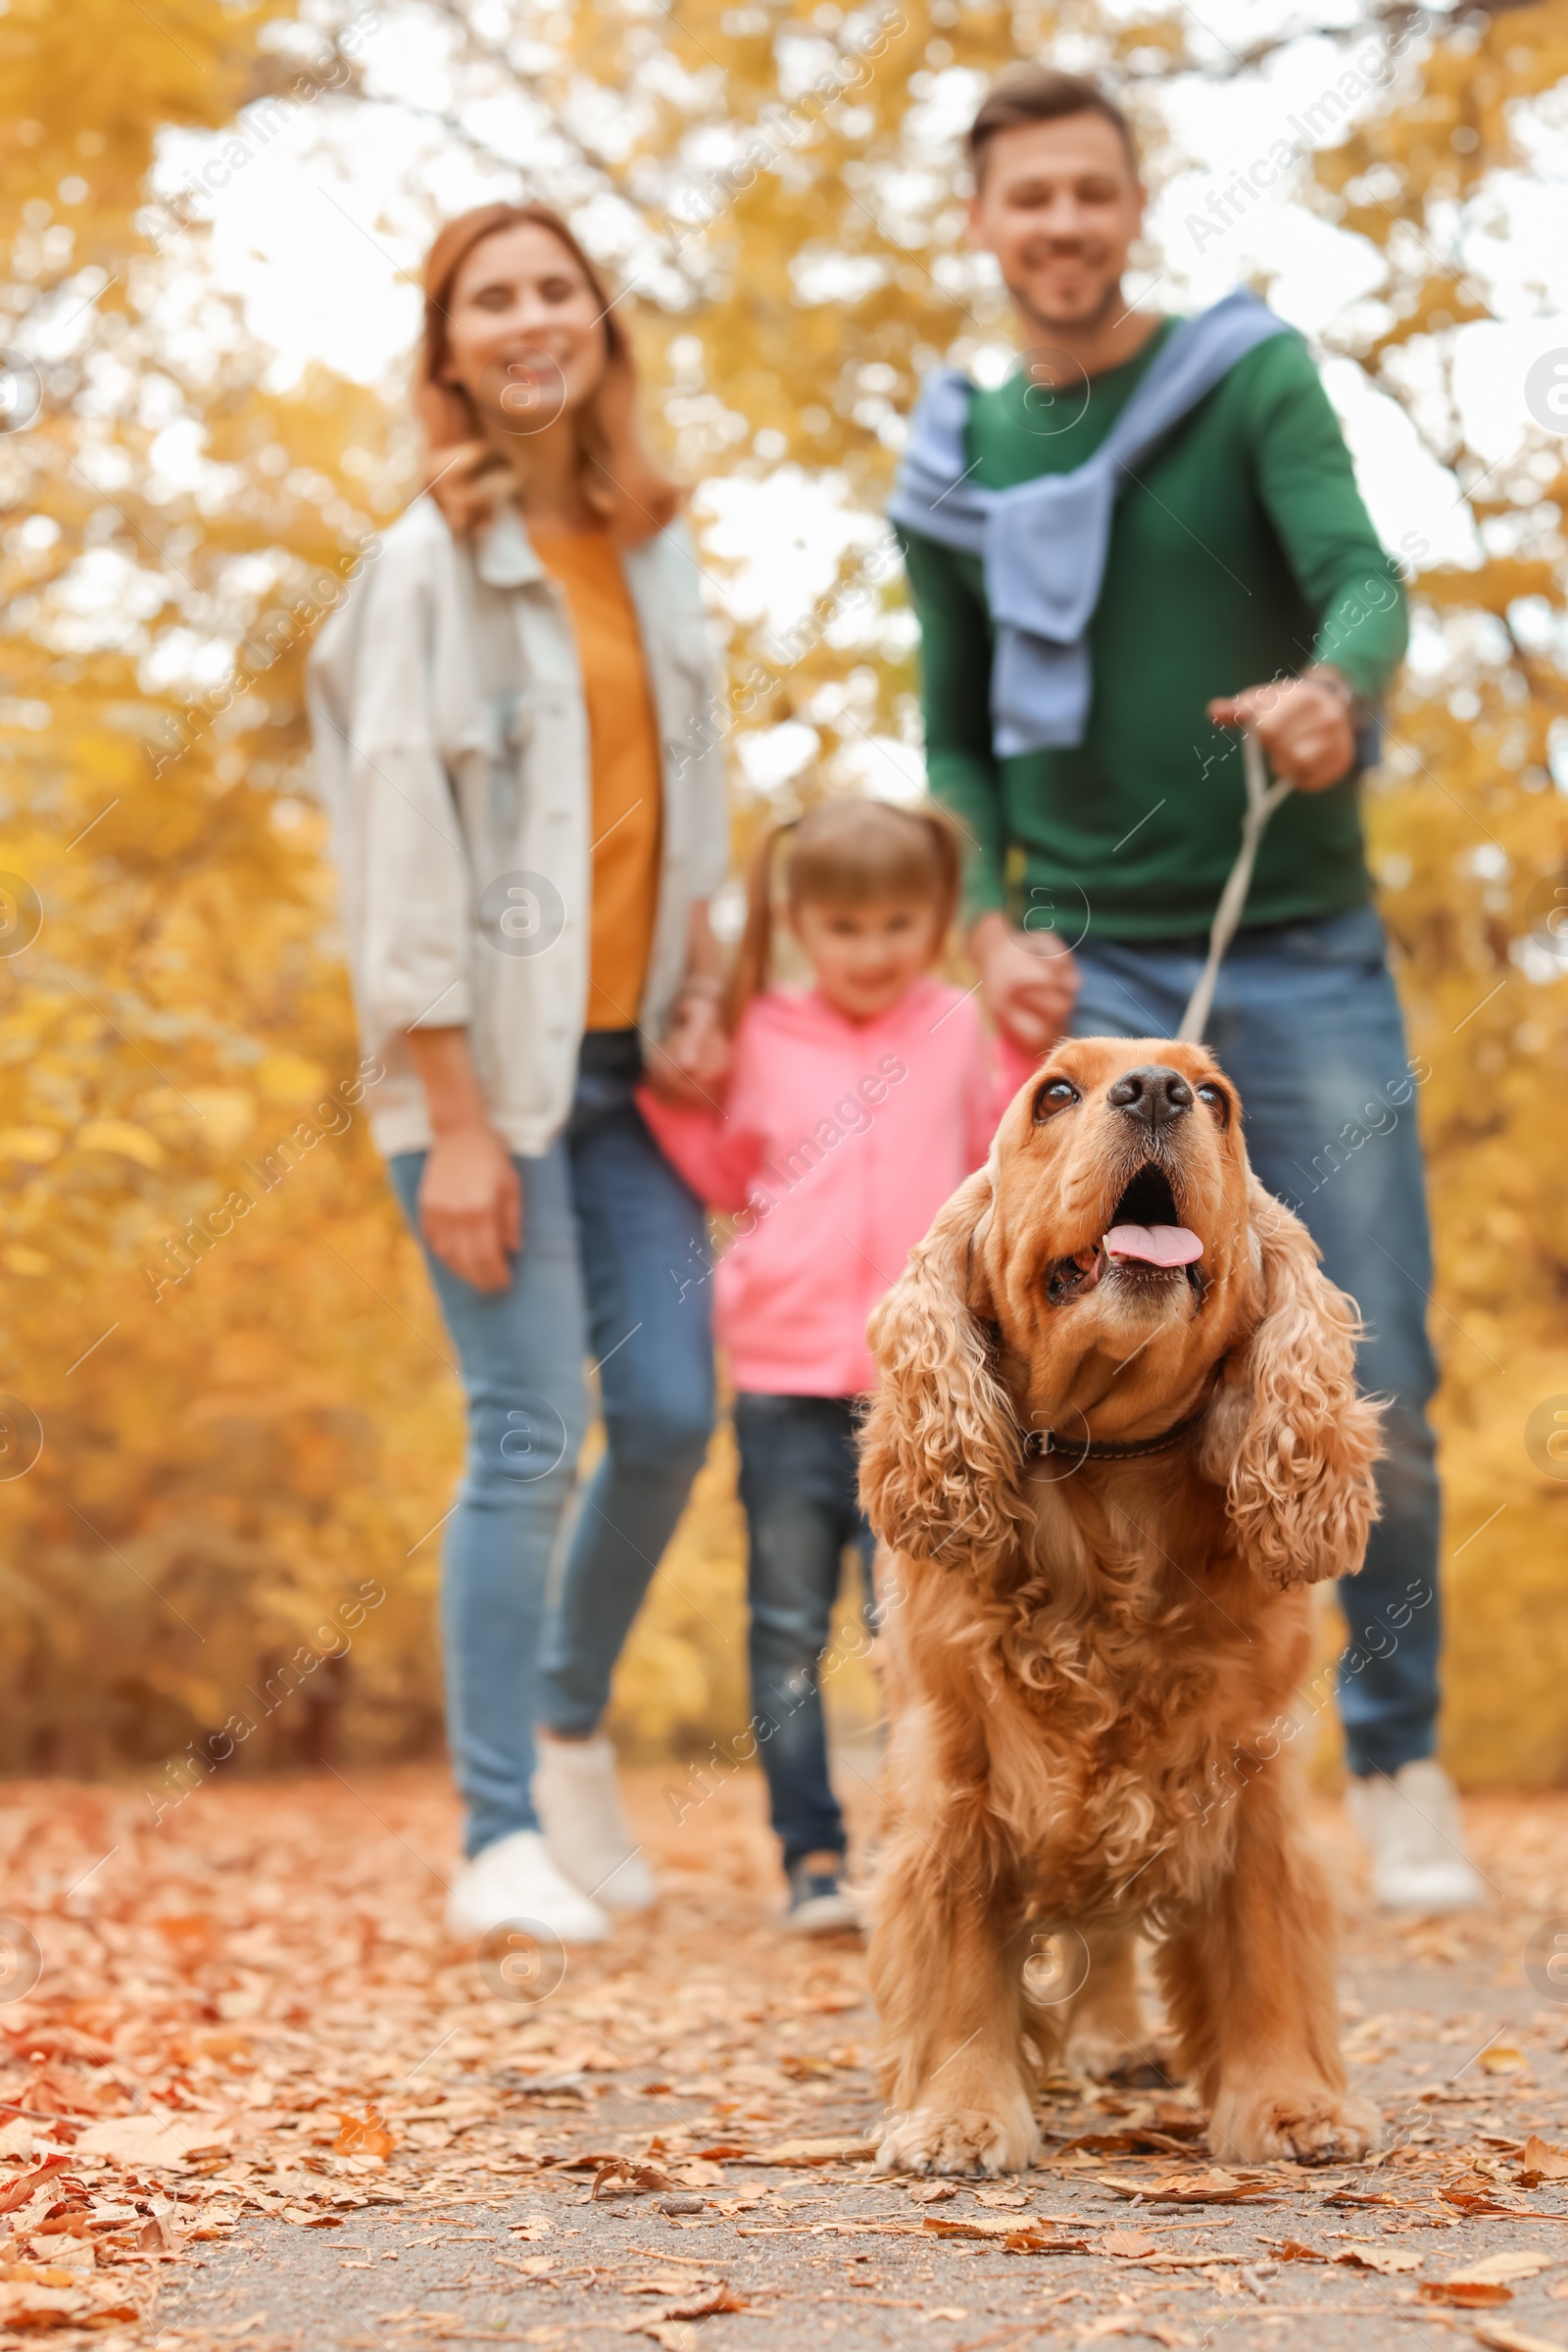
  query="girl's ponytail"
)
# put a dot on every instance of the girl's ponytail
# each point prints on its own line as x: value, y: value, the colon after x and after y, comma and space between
x: 754, y: 957
x: 947, y: 851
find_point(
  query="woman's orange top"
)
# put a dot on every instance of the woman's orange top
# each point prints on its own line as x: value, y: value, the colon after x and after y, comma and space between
x: 625, y: 767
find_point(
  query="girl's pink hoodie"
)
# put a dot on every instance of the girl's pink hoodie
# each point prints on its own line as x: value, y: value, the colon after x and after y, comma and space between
x: 839, y: 1144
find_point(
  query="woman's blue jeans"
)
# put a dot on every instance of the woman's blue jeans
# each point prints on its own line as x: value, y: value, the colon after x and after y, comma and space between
x: 1306, y: 1022
x: 611, y: 1239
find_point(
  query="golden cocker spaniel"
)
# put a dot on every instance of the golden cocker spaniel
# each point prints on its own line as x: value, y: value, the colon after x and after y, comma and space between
x: 1116, y: 1434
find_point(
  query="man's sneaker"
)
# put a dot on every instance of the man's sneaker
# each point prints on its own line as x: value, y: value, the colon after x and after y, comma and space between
x: 1409, y: 1825
x: 578, y: 1802
x: 821, y: 1903
x: 515, y: 1879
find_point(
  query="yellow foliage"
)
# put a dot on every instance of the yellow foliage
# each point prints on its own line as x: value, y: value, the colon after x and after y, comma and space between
x: 118, y: 1135
x: 249, y: 1419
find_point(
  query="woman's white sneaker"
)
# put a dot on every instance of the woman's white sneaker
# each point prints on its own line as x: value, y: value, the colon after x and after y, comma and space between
x: 578, y: 1802
x: 1409, y: 1824
x: 515, y: 1879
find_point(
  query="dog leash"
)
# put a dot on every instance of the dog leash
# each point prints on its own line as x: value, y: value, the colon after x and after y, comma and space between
x: 1262, y: 799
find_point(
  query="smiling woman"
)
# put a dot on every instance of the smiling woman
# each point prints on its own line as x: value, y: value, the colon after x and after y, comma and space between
x: 522, y: 343
x: 512, y: 727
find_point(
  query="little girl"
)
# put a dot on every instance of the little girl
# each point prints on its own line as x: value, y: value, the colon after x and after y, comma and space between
x: 853, y: 1110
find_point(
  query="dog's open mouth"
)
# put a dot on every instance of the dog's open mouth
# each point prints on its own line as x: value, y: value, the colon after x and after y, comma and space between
x: 1145, y: 1242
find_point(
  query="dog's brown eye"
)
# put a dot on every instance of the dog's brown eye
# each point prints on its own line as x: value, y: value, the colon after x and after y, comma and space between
x: 1214, y: 1097
x: 1057, y: 1094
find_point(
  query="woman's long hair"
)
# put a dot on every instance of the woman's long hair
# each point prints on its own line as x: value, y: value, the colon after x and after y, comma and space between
x: 619, y: 479
x: 845, y: 852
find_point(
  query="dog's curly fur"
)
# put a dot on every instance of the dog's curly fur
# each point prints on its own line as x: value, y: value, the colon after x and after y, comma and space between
x: 1090, y: 1670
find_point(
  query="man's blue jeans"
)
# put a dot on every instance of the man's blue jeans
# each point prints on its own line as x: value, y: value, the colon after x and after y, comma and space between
x: 1307, y: 1024
x: 798, y: 1489
x: 611, y: 1239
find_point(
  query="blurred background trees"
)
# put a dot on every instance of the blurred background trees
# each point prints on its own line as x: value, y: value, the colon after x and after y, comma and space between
x: 245, y: 1422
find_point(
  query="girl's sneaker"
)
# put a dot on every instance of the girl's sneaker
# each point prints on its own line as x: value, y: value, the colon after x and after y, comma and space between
x: 515, y: 1879
x: 578, y: 1802
x: 821, y: 1902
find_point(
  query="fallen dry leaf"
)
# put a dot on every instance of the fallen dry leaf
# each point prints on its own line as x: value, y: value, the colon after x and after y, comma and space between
x: 673, y: 2327
x: 816, y: 2151
x: 1213, y: 2187
x: 1127, y: 2243
x: 1495, y: 2270
x: 1475, y: 2297
x: 1541, y: 2161
x: 624, y: 2176
x: 694, y: 2172
x: 1018, y: 2236
x: 147, y: 2139
x: 1499, y: 2336
x: 703, y: 2307
x: 1387, y: 2261
x: 364, y: 2135
x: 1177, y: 2117
x: 74, y: 2255
x: 1130, y: 2143
x: 20, y: 2191
x: 932, y: 2192
x: 974, y: 2225
x: 1291, y: 2249
x: 24, y: 2306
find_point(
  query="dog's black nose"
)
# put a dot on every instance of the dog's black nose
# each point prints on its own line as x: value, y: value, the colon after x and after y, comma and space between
x: 1155, y: 1095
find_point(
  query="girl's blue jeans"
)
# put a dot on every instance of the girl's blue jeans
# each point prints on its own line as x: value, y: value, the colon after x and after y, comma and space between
x: 798, y: 1490
x: 613, y: 1265
x: 1306, y: 1022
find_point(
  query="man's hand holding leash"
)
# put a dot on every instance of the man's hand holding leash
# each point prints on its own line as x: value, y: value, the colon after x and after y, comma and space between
x: 1306, y: 728
x: 1305, y: 725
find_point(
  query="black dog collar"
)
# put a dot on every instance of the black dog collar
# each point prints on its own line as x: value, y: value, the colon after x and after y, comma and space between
x: 1038, y: 1442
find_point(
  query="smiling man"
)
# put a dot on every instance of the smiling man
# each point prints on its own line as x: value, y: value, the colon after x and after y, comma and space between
x: 1145, y: 539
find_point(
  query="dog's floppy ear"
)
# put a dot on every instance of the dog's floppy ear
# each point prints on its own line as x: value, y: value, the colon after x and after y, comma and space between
x: 941, y: 1459
x: 1288, y: 1436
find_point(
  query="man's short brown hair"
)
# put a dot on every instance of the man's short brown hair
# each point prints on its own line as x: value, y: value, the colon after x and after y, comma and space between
x: 1040, y: 95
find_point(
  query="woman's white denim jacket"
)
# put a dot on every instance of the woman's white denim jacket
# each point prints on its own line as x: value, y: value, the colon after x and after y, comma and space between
x: 452, y: 754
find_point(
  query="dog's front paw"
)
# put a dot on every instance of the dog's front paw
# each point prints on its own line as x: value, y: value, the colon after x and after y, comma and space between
x: 1306, y: 2128
x: 959, y: 2139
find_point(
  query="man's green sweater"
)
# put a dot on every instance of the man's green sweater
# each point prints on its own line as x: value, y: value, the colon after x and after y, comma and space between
x: 1240, y: 553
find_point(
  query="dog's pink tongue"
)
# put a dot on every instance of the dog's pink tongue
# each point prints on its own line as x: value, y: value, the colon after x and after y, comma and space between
x: 1155, y: 1245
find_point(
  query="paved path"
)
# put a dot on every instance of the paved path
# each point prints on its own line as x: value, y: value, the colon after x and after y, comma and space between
x: 506, y: 2243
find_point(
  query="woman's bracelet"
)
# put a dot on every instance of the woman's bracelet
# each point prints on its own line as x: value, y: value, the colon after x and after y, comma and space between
x: 701, y: 984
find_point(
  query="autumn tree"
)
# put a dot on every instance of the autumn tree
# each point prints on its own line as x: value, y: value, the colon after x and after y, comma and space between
x: 242, y: 1388
x: 211, y: 1397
